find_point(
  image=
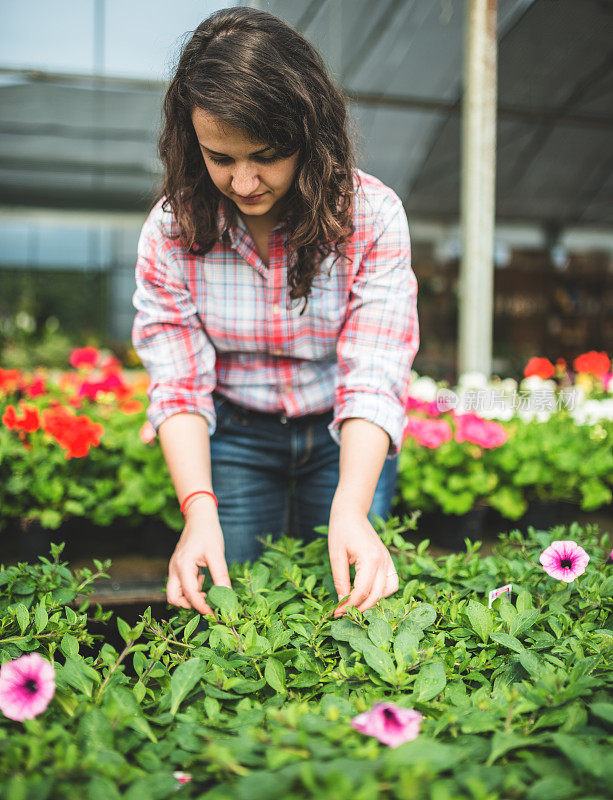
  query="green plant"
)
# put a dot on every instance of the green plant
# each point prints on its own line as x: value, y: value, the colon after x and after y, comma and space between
x: 257, y: 701
x: 552, y: 460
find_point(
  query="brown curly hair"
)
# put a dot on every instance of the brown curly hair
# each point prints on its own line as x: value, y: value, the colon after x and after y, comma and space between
x: 254, y: 72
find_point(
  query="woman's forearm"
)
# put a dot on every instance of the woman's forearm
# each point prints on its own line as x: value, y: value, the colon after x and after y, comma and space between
x: 364, y: 447
x: 185, y: 443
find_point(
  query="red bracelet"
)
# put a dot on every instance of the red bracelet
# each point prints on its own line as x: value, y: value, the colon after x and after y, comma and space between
x: 199, y: 491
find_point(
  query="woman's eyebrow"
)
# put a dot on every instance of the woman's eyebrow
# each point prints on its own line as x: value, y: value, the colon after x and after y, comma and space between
x: 215, y: 153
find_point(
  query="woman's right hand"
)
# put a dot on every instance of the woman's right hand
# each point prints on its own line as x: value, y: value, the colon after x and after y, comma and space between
x: 200, y: 545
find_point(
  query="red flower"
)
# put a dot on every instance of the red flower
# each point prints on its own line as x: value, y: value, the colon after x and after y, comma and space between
x: 9, y: 380
x: 35, y: 388
x: 75, y: 434
x: 84, y: 357
x: 539, y: 366
x: 28, y: 422
x: 131, y: 407
x: 9, y: 418
x: 111, y: 383
x: 597, y: 364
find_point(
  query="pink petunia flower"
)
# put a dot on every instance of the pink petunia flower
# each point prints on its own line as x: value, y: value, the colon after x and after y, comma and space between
x: 389, y: 723
x: 27, y: 685
x: 485, y: 433
x: 564, y: 560
x: 428, y: 432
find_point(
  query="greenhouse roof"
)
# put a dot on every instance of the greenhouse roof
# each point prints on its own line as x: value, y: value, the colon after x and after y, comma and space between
x: 89, y: 142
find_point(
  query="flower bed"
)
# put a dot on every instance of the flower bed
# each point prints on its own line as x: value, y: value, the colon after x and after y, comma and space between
x: 503, y: 446
x: 431, y: 694
x: 77, y: 445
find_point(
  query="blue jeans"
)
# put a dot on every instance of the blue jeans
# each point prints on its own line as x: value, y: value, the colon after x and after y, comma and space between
x: 260, y: 461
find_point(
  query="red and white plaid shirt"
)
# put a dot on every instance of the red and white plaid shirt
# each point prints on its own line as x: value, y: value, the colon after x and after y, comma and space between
x: 222, y: 321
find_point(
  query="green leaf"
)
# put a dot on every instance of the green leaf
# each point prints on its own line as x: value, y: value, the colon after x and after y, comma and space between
x: 41, y: 618
x: 508, y: 641
x: 183, y: 680
x: 480, y: 619
x: 379, y: 660
x: 503, y: 741
x: 530, y: 663
x: 523, y: 621
x: 603, y: 711
x: 69, y: 645
x: 124, y: 629
x: 140, y: 690
x: 524, y: 600
x: 405, y: 646
x: 552, y: 787
x: 190, y: 627
x: 274, y: 672
x: 590, y: 758
x: 305, y: 680
x: 380, y: 632
x: 423, y: 615
x: 224, y: 599
x: 430, y: 681
x: 507, y: 610
x: 79, y: 675
x: 606, y: 587
x: 22, y: 615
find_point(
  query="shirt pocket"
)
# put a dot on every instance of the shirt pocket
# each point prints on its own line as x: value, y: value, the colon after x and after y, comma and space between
x: 316, y: 332
x: 326, y: 301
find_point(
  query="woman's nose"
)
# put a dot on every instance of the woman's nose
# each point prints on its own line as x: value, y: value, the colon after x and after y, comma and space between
x: 245, y: 181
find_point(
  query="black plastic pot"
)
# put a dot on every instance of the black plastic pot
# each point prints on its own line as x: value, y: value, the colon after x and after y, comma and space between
x: 450, y: 530
x: 541, y: 515
x: 26, y: 540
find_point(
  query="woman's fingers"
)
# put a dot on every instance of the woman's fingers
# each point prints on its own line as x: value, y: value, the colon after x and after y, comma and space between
x: 188, y: 575
x: 365, y: 573
x: 391, y: 582
x: 376, y: 592
x: 339, y: 561
x: 218, y: 568
x: 174, y: 595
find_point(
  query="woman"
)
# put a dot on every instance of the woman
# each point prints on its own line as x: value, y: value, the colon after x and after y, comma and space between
x: 276, y: 311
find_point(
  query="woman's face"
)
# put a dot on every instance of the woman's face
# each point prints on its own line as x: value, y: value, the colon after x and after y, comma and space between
x: 241, y: 169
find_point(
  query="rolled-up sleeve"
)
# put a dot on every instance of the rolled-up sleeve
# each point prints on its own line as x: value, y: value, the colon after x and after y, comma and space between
x: 168, y: 334
x: 380, y: 335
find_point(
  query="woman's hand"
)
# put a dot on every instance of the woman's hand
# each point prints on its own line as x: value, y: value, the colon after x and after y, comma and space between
x: 201, y: 545
x: 353, y: 540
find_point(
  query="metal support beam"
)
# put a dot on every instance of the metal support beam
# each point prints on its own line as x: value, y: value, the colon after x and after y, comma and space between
x: 478, y: 184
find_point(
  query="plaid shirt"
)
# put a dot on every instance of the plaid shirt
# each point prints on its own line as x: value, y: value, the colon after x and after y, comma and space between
x: 224, y: 321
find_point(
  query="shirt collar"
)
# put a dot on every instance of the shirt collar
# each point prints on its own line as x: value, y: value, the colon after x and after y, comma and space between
x: 223, y: 224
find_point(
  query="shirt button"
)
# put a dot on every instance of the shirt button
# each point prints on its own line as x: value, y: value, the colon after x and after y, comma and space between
x: 278, y: 352
x: 276, y: 309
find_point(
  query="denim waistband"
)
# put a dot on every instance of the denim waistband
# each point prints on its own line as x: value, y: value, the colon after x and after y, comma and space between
x: 272, y: 415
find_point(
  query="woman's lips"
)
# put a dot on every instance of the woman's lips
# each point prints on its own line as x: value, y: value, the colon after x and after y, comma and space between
x: 251, y: 199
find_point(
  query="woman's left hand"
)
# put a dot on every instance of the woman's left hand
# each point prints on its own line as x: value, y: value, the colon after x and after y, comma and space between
x: 353, y: 540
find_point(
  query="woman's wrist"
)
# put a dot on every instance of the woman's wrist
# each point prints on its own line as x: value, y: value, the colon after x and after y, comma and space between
x: 201, y: 504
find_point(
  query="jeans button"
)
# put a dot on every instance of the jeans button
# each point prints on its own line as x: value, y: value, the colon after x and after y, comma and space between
x: 283, y: 420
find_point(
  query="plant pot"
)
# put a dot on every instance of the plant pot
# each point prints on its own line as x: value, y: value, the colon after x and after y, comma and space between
x: 540, y: 514
x: 450, y: 530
